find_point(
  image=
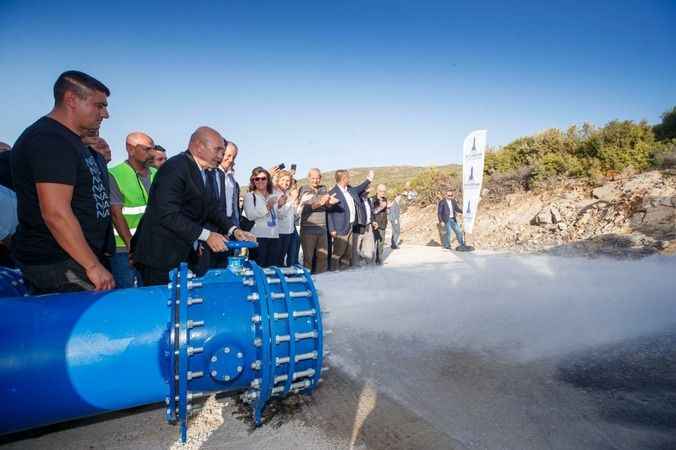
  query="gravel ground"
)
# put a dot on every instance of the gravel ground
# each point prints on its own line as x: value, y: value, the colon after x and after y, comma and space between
x: 442, y: 350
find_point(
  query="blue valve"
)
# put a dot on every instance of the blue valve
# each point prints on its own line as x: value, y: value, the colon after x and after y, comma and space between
x: 236, y: 263
x: 236, y: 245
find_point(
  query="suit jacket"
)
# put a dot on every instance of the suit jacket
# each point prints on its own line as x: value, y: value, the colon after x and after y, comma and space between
x: 444, y: 212
x: 379, y: 217
x: 394, y: 213
x: 179, y: 206
x: 361, y: 223
x: 219, y: 199
x: 209, y: 259
x: 338, y: 216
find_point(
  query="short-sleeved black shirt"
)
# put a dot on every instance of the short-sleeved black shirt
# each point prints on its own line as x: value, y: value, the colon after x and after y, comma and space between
x: 51, y: 153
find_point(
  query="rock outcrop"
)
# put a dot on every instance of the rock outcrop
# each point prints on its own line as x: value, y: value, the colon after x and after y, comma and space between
x: 631, y: 216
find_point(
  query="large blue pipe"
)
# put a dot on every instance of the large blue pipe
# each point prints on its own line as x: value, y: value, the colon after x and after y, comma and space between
x: 73, y: 355
x: 64, y: 356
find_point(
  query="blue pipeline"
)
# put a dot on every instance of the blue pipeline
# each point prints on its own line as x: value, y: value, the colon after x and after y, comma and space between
x: 243, y: 329
x: 72, y: 355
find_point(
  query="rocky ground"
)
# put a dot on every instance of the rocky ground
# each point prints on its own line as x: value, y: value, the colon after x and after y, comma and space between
x: 631, y: 216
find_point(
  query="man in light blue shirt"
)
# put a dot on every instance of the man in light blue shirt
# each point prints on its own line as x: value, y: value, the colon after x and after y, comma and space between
x: 8, y: 218
x: 8, y: 223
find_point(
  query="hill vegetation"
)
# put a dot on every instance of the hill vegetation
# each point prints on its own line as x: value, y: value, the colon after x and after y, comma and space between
x: 586, y: 153
x: 394, y: 177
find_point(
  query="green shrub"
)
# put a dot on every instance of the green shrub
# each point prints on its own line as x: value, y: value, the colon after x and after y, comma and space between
x: 619, y: 145
x: 583, y: 151
x: 667, y: 129
x: 664, y: 154
x: 431, y: 182
x: 555, y: 164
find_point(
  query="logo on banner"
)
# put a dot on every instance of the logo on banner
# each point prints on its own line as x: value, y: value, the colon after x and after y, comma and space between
x: 473, y: 151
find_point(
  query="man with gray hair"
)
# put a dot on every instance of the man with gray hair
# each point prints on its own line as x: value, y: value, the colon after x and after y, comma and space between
x: 393, y: 216
x: 314, y: 200
x: 380, y: 206
x: 225, y: 192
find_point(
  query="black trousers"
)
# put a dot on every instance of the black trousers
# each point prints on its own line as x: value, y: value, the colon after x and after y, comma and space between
x: 151, y: 276
x: 267, y: 252
x: 62, y: 276
x: 284, y: 240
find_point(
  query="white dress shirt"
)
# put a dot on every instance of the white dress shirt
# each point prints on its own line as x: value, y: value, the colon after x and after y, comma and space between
x: 350, y: 203
x: 229, y: 191
x: 367, y: 205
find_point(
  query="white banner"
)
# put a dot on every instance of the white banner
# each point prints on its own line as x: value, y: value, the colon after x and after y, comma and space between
x: 473, y: 151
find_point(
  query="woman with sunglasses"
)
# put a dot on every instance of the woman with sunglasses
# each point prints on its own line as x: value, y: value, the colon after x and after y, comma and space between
x: 260, y: 206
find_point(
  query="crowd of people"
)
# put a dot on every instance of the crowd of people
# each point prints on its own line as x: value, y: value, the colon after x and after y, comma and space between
x: 76, y: 224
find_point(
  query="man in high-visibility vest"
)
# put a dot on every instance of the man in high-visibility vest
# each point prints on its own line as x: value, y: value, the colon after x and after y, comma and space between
x: 129, y: 186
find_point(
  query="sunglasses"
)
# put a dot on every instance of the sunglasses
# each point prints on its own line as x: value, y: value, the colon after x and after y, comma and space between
x: 261, y: 179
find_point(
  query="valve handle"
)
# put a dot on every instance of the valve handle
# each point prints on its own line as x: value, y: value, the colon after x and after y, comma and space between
x: 236, y: 245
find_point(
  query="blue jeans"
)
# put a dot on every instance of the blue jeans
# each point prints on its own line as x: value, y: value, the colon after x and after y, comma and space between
x: 453, y: 225
x: 123, y: 273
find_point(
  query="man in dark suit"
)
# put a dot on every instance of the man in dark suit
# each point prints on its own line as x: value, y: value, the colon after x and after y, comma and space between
x: 363, y: 250
x: 179, y: 206
x: 225, y: 192
x: 342, y: 216
x: 446, y: 213
x: 380, y: 207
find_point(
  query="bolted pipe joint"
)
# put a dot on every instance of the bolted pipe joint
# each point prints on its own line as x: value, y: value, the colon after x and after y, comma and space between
x: 236, y: 352
x: 192, y: 375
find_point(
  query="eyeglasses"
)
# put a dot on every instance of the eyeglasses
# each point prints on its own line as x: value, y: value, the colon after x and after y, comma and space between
x: 261, y: 179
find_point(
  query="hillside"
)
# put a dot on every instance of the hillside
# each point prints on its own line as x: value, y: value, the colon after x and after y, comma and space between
x: 591, y: 190
x: 394, y: 177
x: 630, y: 216
x: 627, y: 215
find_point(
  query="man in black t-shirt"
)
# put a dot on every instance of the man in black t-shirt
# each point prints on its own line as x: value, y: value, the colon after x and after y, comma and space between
x: 64, y: 231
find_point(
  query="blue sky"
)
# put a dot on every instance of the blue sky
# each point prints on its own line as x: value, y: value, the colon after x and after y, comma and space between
x: 343, y: 84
